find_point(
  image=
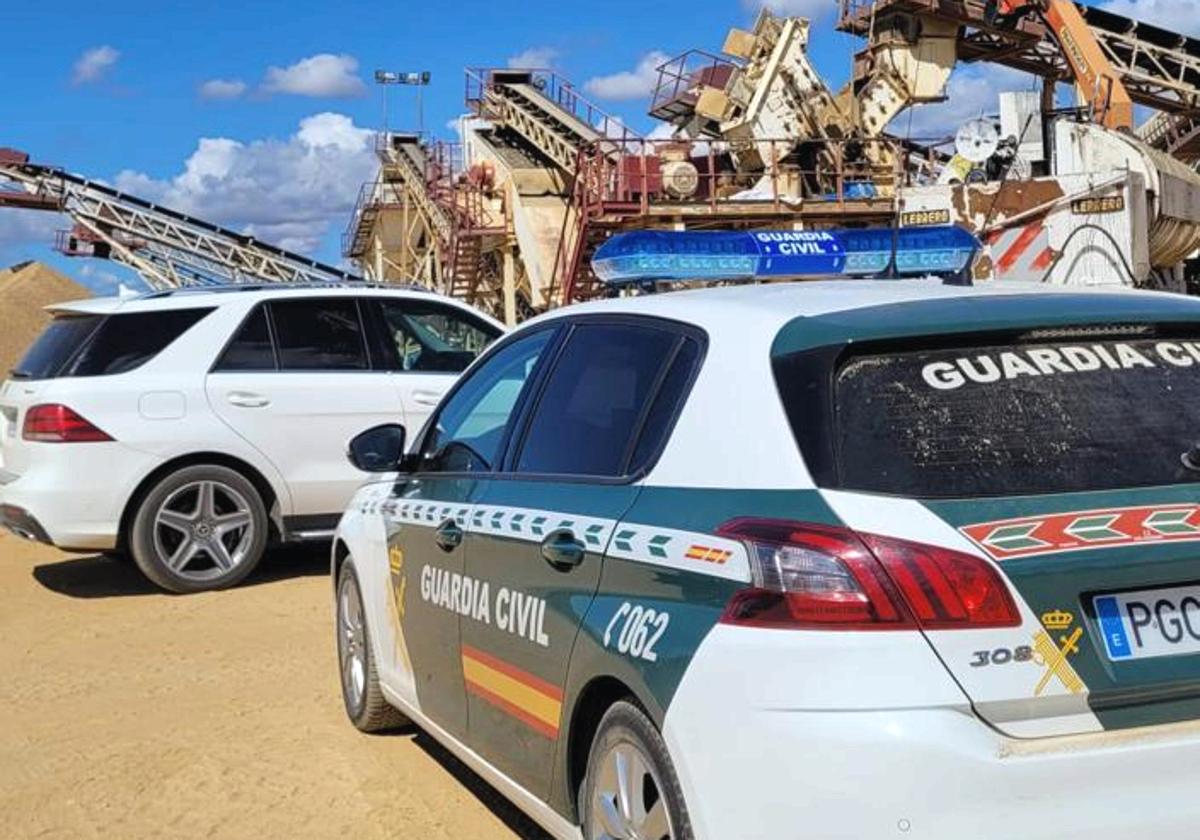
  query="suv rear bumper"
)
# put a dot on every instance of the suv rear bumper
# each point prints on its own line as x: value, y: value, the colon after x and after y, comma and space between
x: 18, y: 521
x: 75, y: 494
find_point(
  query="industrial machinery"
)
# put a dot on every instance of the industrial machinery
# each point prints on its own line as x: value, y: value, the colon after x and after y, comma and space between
x: 167, y: 248
x: 509, y: 216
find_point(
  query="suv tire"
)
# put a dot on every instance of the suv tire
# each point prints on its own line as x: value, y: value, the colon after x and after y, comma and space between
x: 645, y: 800
x: 202, y: 527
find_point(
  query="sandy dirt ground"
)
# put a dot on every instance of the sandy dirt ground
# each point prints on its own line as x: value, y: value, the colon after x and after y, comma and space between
x: 125, y: 713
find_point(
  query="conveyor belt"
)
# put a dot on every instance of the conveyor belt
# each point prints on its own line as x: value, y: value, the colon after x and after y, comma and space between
x: 166, y: 247
x: 1160, y: 68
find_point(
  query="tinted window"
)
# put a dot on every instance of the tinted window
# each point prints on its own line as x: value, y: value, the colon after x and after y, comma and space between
x: 431, y: 337
x: 468, y: 431
x: 319, y: 334
x: 666, y: 406
x: 55, y: 346
x: 1022, y: 418
x: 595, y: 400
x: 251, y: 347
x: 105, y: 345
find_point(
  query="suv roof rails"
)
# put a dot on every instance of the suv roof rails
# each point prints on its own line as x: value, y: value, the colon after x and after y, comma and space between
x: 222, y: 288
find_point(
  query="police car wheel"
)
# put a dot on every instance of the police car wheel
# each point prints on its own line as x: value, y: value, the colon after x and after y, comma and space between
x: 630, y: 791
x: 365, y: 704
x: 201, y: 527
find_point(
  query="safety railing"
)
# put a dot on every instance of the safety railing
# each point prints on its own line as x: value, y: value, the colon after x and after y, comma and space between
x: 372, y: 197
x: 648, y: 174
x: 681, y: 79
x: 558, y: 90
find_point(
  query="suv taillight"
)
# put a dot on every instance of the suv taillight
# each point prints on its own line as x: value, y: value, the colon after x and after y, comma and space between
x: 54, y: 423
x: 831, y: 578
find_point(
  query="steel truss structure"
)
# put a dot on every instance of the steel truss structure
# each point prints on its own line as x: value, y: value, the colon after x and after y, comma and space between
x: 167, y: 248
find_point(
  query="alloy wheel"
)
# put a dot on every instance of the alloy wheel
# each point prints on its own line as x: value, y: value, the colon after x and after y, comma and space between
x: 352, y: 644
x: 204, y: 530
x: 627, y: 801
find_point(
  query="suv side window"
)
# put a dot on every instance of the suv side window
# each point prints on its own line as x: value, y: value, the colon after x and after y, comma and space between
x: 432, y: 337
x: 251, y: 348
x: 468, y: 431
x: 597, y: 399
x: 319, y: 334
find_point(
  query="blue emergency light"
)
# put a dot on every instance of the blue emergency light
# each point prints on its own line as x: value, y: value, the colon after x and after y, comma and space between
x: 655, y: 255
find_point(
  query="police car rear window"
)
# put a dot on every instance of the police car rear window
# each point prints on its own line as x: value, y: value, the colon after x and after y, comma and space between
x: 1055, y: 415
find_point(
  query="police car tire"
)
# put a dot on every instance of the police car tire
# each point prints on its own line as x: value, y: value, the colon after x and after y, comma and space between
x: 141, y: 530
x: 626, y: 722
x: 376, y: 713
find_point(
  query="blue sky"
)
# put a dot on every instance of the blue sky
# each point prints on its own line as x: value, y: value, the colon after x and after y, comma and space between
x: 255, y: 116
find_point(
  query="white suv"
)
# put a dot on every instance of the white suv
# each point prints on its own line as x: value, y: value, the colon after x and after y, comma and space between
x: 193, y: 428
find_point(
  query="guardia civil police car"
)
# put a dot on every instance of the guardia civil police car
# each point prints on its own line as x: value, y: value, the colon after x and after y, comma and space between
x: 848, y: 559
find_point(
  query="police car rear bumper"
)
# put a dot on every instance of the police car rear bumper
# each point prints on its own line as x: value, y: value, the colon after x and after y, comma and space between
x: 884, y: 768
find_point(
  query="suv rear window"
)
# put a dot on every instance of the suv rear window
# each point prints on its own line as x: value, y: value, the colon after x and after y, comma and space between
x: 104, y: 345
x: 64, y: 335
x: 1047, y: 415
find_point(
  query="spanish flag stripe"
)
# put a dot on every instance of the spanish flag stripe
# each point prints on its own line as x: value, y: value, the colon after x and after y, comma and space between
x: 513, y: 671
x: 533, y: 701
x: 539, y: 726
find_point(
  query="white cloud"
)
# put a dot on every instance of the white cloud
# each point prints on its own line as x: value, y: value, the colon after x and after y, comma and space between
x: 795, y: 8
x: 21, y: 230
x: 318, y: 75
x: 109, y: 279
x: 974, y: 90
x: 222, y: 89
x: 629, y: 84
x: 1175, y: 15
x: 534, y: 58
x: 93, y: 64
x: 289, y: 192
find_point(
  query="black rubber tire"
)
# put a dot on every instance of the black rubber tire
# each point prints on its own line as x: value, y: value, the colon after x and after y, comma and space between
x: 625, y: 722
x: 373, y: 713
x: 141, y: 530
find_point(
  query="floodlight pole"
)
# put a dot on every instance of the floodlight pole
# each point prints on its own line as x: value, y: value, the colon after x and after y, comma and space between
x: 418, y: 79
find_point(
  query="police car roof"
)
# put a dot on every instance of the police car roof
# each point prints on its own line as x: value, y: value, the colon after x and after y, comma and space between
x: 770, y: 306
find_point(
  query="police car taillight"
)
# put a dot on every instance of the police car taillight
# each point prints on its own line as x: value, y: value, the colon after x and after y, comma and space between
x: 831, y: 578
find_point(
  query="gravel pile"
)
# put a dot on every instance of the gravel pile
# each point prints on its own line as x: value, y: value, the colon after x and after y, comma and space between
x: 24, y: 290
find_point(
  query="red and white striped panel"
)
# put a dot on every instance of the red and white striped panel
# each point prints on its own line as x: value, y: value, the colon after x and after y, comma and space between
x: 1022, y: 253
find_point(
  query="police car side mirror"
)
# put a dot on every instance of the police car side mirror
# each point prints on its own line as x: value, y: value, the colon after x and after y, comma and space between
x: 379, y: 450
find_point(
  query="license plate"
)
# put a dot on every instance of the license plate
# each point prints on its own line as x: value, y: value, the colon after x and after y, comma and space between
x: 1150, y: 623
x: 10, y: 422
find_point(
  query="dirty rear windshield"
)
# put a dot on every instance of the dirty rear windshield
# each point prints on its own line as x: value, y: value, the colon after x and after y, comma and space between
x: 100, y: 345
x: 1047, y: 413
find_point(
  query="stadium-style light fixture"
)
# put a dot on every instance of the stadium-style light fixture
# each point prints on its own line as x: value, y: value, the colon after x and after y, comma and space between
x: 418, y: 79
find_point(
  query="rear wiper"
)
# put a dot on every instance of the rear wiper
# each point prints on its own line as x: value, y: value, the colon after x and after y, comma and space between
x: 1191, y: 458
x: 20, y: 374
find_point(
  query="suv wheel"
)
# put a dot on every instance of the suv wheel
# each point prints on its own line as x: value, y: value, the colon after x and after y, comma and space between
x: 202, y: 527
x: 631, y: 789
x: 365, y: 704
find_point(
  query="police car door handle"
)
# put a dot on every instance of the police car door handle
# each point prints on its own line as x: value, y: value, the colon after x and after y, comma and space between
x: 562, y: 551
x: 449, y: 536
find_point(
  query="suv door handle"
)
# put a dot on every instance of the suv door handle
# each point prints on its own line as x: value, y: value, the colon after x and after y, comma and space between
x: 429, y: 398
x: 449, y: 536
x: 562, y: 551
x: 245, y: 399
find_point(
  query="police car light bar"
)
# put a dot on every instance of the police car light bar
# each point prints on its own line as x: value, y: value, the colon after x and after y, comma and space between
x: 654, y: 255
